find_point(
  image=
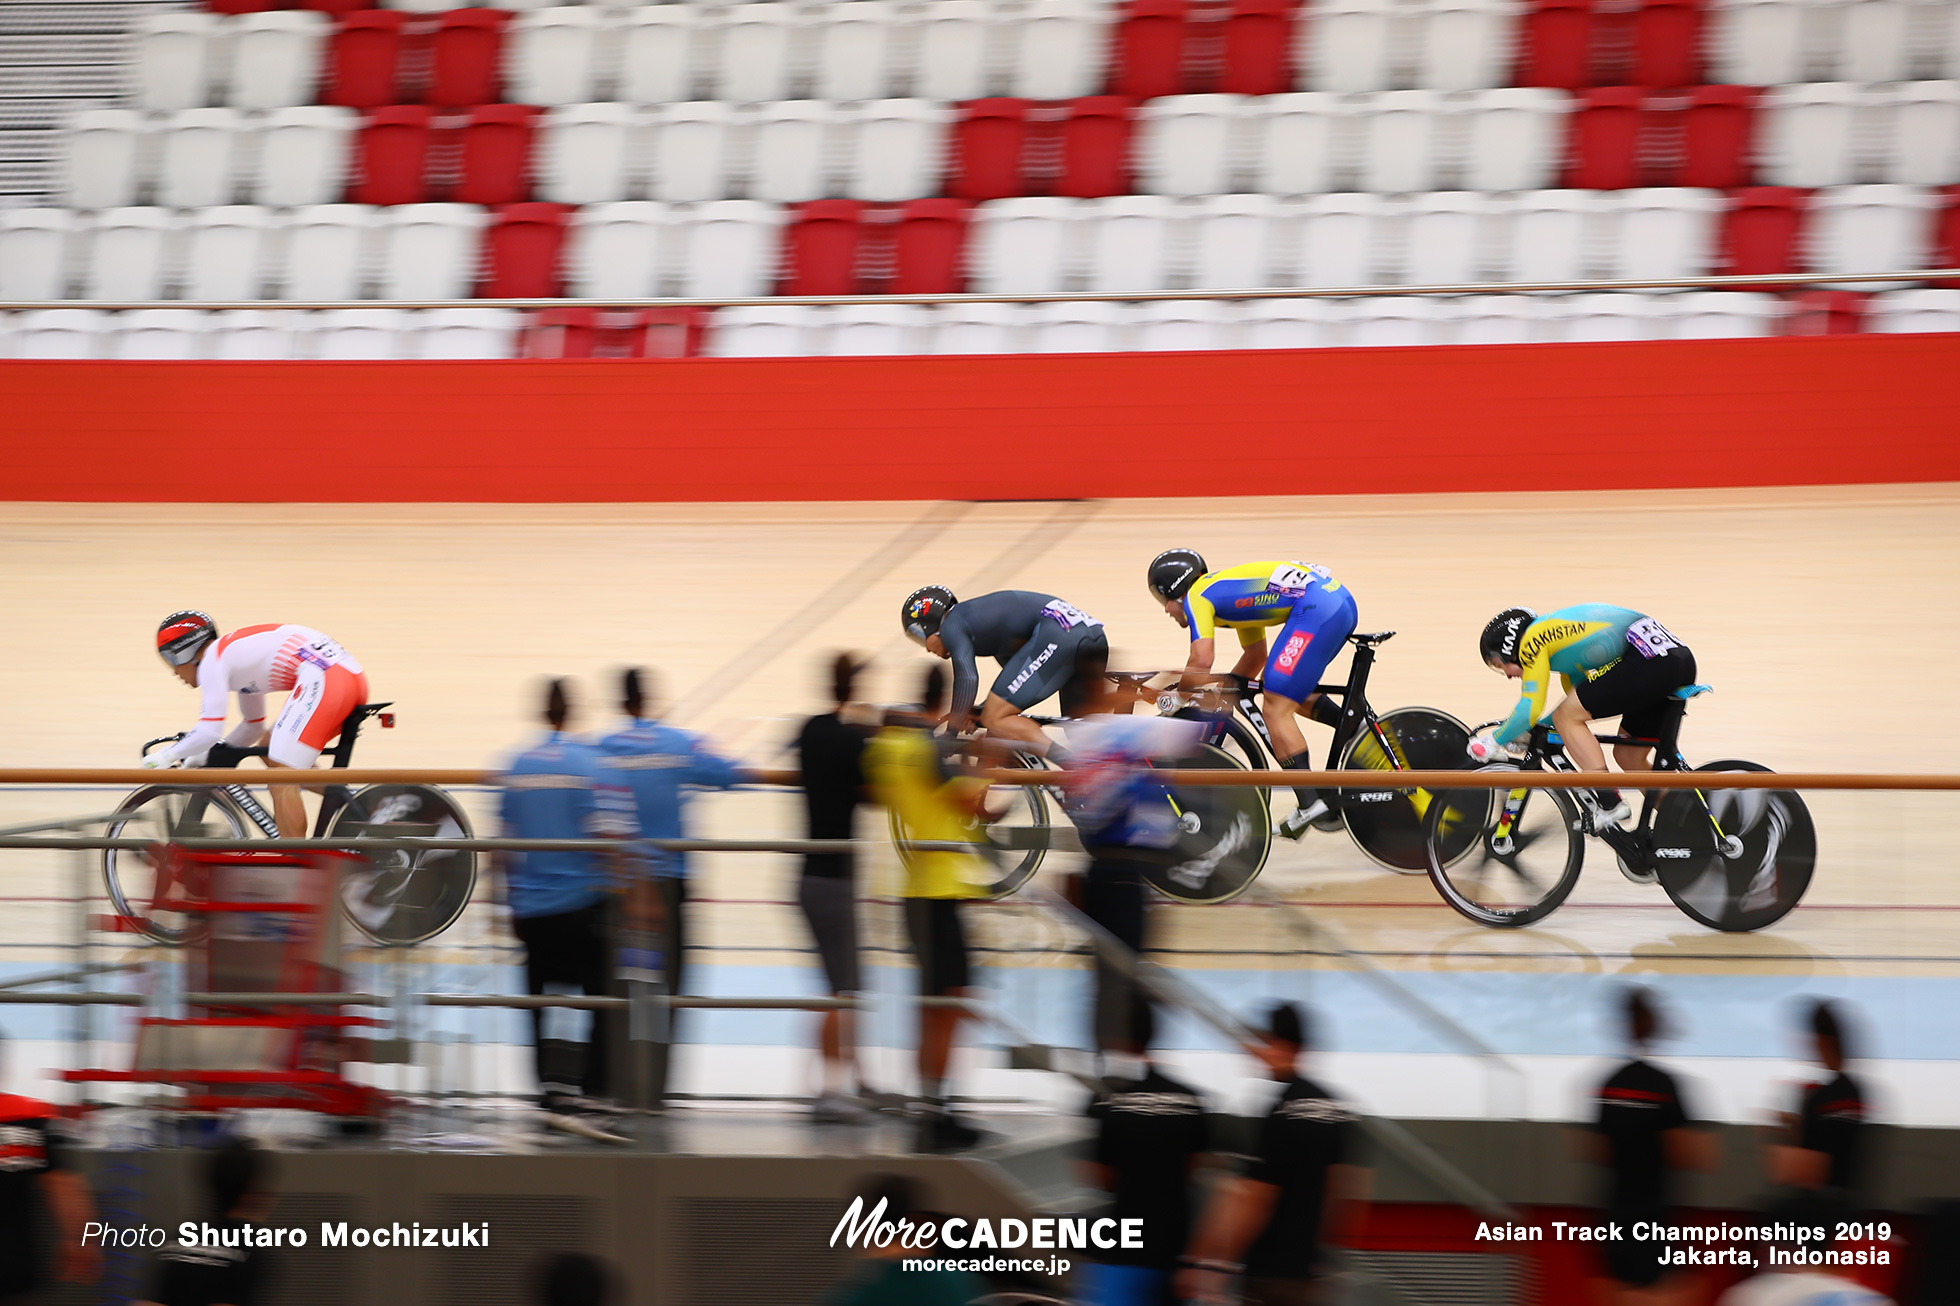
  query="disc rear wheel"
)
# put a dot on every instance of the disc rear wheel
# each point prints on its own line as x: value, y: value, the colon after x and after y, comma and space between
x: 405, y: 895
x: 1734, y: 859
x: 1387, y: 824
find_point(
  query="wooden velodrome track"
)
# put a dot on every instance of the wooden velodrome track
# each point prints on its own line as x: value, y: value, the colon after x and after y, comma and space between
x: 1823, y: 617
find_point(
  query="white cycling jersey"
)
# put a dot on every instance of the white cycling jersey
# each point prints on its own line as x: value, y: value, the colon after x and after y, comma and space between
x: 252, y: 662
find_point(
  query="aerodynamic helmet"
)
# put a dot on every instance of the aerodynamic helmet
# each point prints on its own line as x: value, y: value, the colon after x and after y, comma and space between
x: 924, y: 609
x: 1173, y: 572
x: 1499, y: 642
x: 182, y: 636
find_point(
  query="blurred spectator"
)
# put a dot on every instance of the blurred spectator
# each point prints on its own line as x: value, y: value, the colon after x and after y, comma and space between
x: 221, y: 1271
x: 911, y: 778
x: 1823, y: 1145
x: 575, y: 1280
x: 1302, y: 1188
x: 882, y: 1281
x: 1643, y: 1134
x: 1150, y: 1132
x: 559, y: 906
x: 43, y: 1203
x: 1785, y: 1284
x: 657, y: 764
x: 830, y: 753
x: 1128, y: 825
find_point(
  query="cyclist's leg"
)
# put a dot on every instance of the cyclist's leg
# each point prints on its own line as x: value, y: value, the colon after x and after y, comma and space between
x: 1041, y: 667
x: 1317, y: 630
x: 1636, y: 689
x: 314, y: 712
x: 1650, y: 720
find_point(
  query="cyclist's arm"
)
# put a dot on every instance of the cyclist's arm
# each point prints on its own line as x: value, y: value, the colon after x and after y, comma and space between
x: 1197, y: 668
x: 966, y: 672
x: 1252, y: 652
x: 1533, y: 683
x: 210, y: 727
x: 250, y: 732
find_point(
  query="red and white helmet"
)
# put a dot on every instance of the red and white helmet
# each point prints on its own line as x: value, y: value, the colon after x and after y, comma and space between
x: 182, y: 636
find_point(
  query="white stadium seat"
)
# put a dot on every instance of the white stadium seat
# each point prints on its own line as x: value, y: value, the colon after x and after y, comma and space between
x: 585, y: 154
x: 202, y: 156
x: 37, y: 252
x: 1467, y: 44
x: 865, y: 329
x: 1293, y: 142
x: 1809, y: 134
x: 175, y: 59
x: 1398, y: 132
x: 1292, y: 323
x: 1604, y: 316
x: 1904, y: 311
x: 1716, y: 315
x: 551, y: 56
x: 1550, y: 235
x: 1394, y: 320
x: 1488, y: 320
x: 1870, y: 229
x: 59, y: 333
x: 1236, y: 242
x: 1875, y: 43
x: 469, y: 332
x: 1760, y: 42
x: 615, y: 250
x: 756, y: 55
x: 1021, y: 246
x: 693, y: 151
x: 855, y: 50
x: 359, y: 333
x: 126, y: 254
x: 325, y: 254
x: 1185, y: 324
x: 275, y: 58
x: 1083, y: 326
x: 102, y: 159
x: 303, y: 155
x: 155, y: 333
x: 245, y: 333
x: 419, y: 6
x: 1340, y: 242
x: 1060, y: 48
x: 227, y: 255
x: 1186, y: 144
x: 1129, y: 242
x: 1922, y: 133
x: 1661, y: 232
x: 732, y: 248
x: 767, y: 331
x: 952, y: 47
x: 978, y: 328
x: 793, y: 142
x: 430, y: 251
x: 660, y: 50
x: 1516, y: 138
x: 1445, y: 235
x: 896, y: 149
x: 1348, y: 45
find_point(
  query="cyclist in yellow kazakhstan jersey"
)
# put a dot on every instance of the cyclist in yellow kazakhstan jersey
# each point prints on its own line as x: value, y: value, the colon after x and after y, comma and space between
x: 1613, y: 662
x: 1315, y: 615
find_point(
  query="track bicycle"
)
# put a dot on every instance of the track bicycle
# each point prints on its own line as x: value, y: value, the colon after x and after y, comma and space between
x: 1733, y: 859
x: 396, y: 896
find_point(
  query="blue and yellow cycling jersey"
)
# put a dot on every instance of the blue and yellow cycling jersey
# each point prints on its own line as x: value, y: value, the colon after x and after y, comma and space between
x: 1583, y: 640
x: 1252, y: 596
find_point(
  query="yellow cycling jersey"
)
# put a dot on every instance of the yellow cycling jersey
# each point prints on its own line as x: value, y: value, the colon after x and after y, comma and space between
x: 1251, y: 596
x: 909, y: 780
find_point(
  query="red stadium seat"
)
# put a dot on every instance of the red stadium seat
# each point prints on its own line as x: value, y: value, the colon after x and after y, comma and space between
x: 615, y: 333
x: 335, y: 6
x: 1625, y: 136
x: 1761, y: 229
x: 1148, y: 60
x: 988, y: 143
x: 1716, y: 138
x: 930, y: 245
x: 522, y: 248
x: 391, y: 156
x: 1605, y: 141
x: 1259, y: 47
x: 496, y: 155
x: 823, y: 245
x: 242, y: 6
x: 1825, y: 313
x: 1946, y: 234
x: 1557, y: 45
x: 1667, y: 43
x: 1096, y: 147
x: 364, y: 60
x: 468, y: 49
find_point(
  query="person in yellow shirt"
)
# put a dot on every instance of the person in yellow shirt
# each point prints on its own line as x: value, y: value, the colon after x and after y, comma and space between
x: 909, y: 776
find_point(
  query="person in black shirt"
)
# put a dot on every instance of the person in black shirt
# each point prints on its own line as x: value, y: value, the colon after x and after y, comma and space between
x: 1823, y: 1148
x: 1150, y: 1132
x: 221, y: 1273
x: 43, y: 1206
x: 830, y: 751
x: 1642, y: 1134
x: 1303, y: 1185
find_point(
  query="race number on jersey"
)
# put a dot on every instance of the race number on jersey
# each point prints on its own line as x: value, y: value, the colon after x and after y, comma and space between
x: 1294, y: 579
x: 1068, y: 615
x: 1651, y: 638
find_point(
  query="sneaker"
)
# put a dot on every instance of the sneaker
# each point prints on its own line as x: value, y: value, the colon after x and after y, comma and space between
x: 1296, y: 822
x: 836, y: 1109
x: 1605, y: 817
x: 943, y: 1132
x: 585, y: 1126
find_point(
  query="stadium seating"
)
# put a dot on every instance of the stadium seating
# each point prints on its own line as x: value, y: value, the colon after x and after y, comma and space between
x: 227, y: 253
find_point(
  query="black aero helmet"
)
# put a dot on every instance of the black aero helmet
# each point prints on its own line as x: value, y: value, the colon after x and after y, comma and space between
x: 1499, y: 641
x: 924, y: 609
x: 182, y: 636
x: 1173, y: 572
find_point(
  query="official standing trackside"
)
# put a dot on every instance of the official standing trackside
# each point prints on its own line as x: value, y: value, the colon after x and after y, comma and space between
x: 559, y: 905
x: 1823, y: 1147
x: 1642, y: 1134
x: 1150, y: 1132
x: 657, y: 764
x: 830, y: 754
x: 43, y: 1206
x: 1302, y: 1188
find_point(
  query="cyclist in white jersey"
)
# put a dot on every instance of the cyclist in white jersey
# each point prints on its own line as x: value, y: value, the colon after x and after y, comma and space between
x: 323, y: 683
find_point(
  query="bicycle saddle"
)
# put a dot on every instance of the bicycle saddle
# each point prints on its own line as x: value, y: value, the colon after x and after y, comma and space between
x: 1375, y: 640
x: 1687, y: 692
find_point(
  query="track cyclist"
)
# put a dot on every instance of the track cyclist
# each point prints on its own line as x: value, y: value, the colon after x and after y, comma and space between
x: 1613, y: 662
x: 1036, y: 638
x: 325, y: 681
x: 1315, y: 614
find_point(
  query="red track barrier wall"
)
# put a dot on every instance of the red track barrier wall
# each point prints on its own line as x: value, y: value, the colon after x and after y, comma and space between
x: 1827, y: 410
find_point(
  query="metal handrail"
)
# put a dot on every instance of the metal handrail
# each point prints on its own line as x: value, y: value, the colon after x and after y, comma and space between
x: 1780, y: 280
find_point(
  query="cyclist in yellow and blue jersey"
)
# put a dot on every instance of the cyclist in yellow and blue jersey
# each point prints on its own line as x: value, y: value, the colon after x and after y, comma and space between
x: 1314, y: 613
x: 1613, y: 662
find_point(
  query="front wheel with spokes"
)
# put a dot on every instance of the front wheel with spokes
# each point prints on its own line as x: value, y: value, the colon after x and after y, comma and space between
x: 1525, y: 850
x: 139, y: 890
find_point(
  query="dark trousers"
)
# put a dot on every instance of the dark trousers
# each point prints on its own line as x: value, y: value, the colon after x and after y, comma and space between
x: 673, y: 948
x: 572, y: 948
x: 1113, y: 896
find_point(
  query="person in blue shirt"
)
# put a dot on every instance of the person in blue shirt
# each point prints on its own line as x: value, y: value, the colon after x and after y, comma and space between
x: 559, y: 901
x: 656, y: 765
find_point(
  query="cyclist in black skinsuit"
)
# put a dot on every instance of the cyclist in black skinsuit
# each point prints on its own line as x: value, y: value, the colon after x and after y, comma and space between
x: 1036, y: 638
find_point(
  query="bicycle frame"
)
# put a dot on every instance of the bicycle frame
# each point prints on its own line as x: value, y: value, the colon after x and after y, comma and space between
x: 335, y: 797
x: 1356, y: 713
